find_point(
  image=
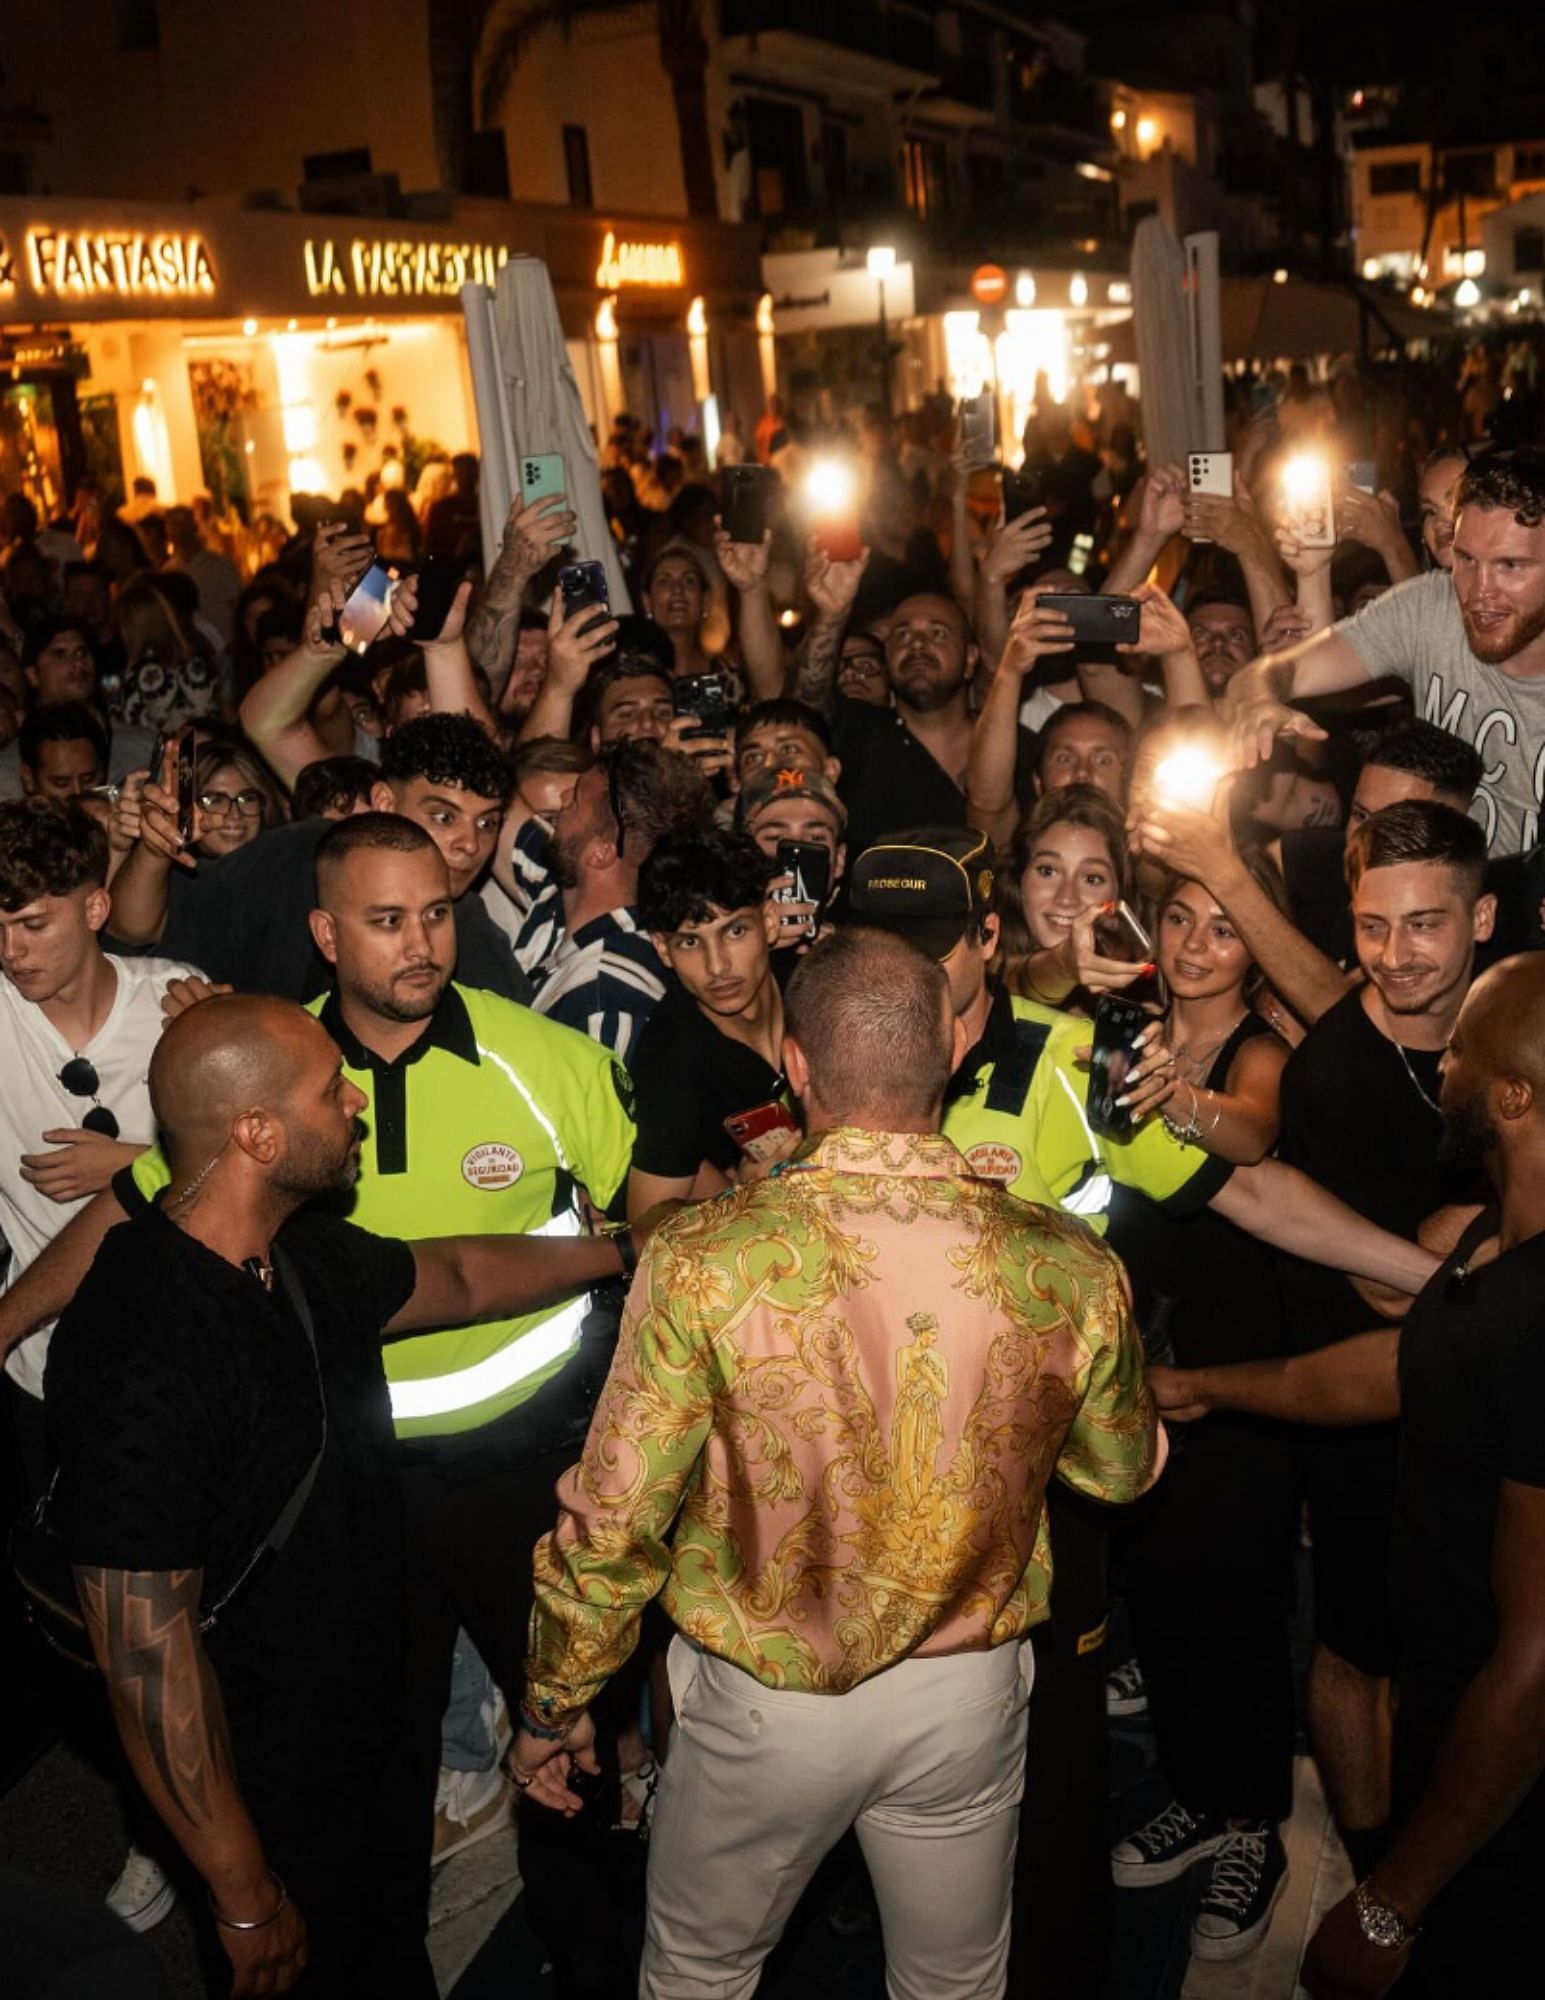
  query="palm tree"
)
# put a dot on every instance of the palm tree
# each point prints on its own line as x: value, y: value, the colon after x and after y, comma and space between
x: 514, y: 25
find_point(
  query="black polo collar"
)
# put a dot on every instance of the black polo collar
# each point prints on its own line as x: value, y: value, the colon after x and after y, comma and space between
x: 450, y: 1030
x: 997, y: 1041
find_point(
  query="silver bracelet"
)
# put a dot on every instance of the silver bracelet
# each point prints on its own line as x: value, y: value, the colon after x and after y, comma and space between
x: 1191, y: 1130
x: 261, y: 1923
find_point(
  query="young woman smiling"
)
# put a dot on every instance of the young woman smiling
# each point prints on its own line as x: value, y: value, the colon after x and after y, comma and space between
x: 1068, y: 867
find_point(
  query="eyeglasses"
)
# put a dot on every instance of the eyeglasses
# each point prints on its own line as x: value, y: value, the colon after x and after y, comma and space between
x: 80, y: 1079
x: 615, y: 796
x: 217, y: 805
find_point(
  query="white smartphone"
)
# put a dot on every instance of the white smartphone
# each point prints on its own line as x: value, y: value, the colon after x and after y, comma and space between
x: 1210, y: 472
x: 1308, y: 501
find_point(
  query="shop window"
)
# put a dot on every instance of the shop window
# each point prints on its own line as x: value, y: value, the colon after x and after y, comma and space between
x: 1395, y: 177
x: 576, y: 166
x: 1529, y: 249
x: 1529, y: 163
x: 139, y: 24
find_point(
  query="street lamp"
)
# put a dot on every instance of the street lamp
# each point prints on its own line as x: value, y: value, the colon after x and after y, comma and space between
x: 881, y: 261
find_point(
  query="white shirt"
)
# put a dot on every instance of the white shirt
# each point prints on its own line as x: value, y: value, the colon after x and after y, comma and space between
x: 33, y: 1101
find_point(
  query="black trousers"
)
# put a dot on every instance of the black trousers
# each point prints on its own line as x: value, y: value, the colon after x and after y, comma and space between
x: 1205, y: 1564
x: 1062, y: 1880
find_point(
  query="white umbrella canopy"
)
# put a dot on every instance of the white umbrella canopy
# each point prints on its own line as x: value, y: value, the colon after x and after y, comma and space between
x: 1172, y: 416
x: 528, y: 404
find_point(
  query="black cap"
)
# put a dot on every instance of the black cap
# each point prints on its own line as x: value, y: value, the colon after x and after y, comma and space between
x: 930, y: 884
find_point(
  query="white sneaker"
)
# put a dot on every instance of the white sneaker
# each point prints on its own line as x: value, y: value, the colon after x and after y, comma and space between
x: 141, y: 1896
x: 469, y: 1806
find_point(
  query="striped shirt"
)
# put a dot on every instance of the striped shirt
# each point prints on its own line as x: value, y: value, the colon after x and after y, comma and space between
x: 605, y: 979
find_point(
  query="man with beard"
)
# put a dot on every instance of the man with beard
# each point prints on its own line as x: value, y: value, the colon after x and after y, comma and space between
x: 580, y: 939
x: 907, y: 762
x: 1449, y: 1905
x: 1360, y: 1116
x: 218, y: 1369
x: 1471, y: 647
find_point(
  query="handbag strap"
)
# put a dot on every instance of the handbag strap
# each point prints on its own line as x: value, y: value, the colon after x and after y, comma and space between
x: 292, y: 1509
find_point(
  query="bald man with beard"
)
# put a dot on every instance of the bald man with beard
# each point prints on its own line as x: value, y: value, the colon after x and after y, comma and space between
x: 1449, y: 1909
x: 224, y: 1348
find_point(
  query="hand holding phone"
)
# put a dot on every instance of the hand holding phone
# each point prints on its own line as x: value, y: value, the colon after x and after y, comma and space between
x: 542, y: 476
x: 748, y: 494
x: 1118, y: 1026
x: 804, y: 883
x: 583, y: 587
x: 1096, y: 621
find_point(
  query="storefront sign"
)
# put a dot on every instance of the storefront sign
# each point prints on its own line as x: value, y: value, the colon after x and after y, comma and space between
x: 813, y: 290
x: 117, y: 264
x: 371, y: 268
x: 657, y: 264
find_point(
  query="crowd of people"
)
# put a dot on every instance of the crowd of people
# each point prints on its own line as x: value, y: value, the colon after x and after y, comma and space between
x: 651, y: 1217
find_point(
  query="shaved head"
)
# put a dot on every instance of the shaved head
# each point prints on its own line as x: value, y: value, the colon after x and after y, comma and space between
x: 1493, y: 1095
x: 237, y: 1053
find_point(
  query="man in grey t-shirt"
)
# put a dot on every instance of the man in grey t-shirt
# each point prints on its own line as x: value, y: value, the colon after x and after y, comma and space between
x: 1471, y: 646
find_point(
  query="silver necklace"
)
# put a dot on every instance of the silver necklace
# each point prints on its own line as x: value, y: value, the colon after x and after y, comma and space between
x: 1194, y: 1063
x: 1416, y: 1082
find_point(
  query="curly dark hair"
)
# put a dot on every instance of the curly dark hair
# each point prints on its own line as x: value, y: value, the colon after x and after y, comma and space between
x: 1512, y: 480
x: 690, y: 876
x: 48, y: 848
x: 332, y: 784
x: 447, y: 750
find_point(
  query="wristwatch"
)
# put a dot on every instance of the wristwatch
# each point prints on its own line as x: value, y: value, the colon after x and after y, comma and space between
x: 1380, y: 1924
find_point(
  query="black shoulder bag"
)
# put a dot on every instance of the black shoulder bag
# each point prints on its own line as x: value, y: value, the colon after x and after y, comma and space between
x: 41, y: 1561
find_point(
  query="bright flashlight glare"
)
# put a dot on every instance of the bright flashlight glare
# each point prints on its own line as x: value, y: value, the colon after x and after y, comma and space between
x: 830, y: 486
x: 1187, y: 777
x: 1303, y: 477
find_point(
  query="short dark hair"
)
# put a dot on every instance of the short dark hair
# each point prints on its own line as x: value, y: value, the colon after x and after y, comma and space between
x: 784, y: 712
x: 61, y: 722
x: 375, y: 832
x: 1511, y: 480
x: 1423, y: 750
x: 871, y: 1013
x: 48, y: 847
x: 42, y: 635
x: 1083, y: 711
x: 447, y: 750
x: 331, y: 784
x: 1232, y: 600
x: 1420, y: 830
x: 689, y: 876
x: 644, y: 640
x: 661, y: 792
x: 279, y: 621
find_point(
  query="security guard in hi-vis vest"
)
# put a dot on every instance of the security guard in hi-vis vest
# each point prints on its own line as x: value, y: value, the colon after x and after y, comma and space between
x: 483, y: 1118
x: 1016, y: 1109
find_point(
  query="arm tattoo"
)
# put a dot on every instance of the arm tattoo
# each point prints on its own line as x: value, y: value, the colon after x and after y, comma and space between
x: 144, y: 1626
x: 814, y: 673
x: 494, y: 622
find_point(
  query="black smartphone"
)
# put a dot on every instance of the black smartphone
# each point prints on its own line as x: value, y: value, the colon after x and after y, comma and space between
x: 1121, y: 935
x: 809, y: 868
x: 1022, y: 490
x: 438, y: 579
x: 187, y: 775
x: 1112, y: 1058
x: 581, y: 585
x: 747, y: 501
x: 707, y: 699
x: 1097, y: 621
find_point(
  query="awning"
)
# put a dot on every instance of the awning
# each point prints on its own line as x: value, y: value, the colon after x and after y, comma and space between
x: 1265, y: 321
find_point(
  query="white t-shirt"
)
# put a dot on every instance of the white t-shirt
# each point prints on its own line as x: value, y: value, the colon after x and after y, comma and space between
x: 33, y: 1101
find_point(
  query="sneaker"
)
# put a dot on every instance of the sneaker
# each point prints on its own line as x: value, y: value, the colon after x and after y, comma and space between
x: 1125, y: 1693
x: 1167, y: 1846
x: 1248, y: 1874
x: 141, y: 1896
x: 469, y: 1806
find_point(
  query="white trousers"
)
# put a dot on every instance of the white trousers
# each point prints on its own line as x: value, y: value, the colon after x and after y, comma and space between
x: 926, y: 1760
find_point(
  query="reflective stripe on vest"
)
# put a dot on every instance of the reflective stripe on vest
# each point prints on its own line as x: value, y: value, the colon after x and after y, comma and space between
x: 1092, y: 1196
x: 536, y: 1349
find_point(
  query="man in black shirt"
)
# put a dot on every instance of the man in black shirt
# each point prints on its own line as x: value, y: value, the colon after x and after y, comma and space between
x: 186, y: 1400
x: 1449, y: 1909
x: 250, y: 913
x: 1360, y: 1115
x: 708, y: 1068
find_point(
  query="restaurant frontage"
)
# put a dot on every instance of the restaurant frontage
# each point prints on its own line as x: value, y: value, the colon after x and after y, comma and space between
x: 253, y: 354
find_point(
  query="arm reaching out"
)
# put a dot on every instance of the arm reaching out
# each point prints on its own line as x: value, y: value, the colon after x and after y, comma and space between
x: 1291, y: 1212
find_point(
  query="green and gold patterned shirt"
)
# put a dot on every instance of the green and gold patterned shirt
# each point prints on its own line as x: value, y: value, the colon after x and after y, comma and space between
x: 837, y: 1398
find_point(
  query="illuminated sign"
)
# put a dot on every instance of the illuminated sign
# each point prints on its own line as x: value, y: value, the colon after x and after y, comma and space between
x: 399, y: 270
x: 660, y: 264
x: 7, y: 270
x: 126, y: 264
